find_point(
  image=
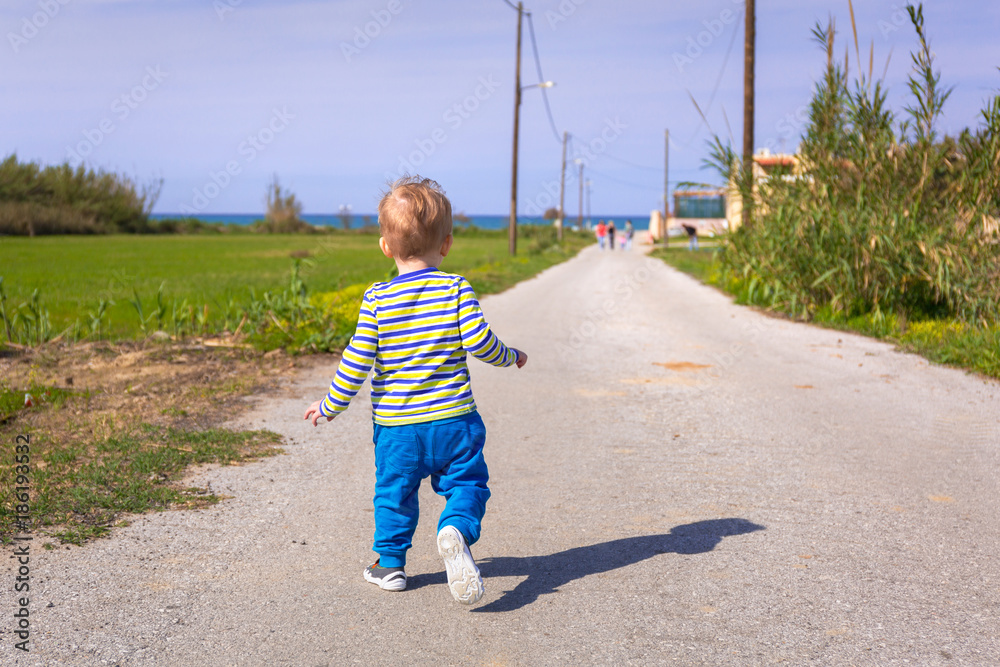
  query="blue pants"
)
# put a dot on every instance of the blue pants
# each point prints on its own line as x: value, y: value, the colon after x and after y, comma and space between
x: 450, y: 451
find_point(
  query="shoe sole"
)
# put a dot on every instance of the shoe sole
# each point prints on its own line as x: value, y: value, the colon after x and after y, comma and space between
x: 464, y: 580
x: 398, y: 584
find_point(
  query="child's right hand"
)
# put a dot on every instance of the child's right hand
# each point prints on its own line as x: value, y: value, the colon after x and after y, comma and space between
x: 522, y: 358
x: 314, y: 413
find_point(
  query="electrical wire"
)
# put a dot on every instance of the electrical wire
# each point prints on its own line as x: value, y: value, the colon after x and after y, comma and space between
x: 541, y: 79
x: 614, y: 157
x: 718, y: 81
x: 658, y: 188
x: 538, y: 68
x: 643, y: 186
x: 631, y: 164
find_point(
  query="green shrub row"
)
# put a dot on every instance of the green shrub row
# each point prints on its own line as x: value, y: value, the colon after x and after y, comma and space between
x: 63, y: 200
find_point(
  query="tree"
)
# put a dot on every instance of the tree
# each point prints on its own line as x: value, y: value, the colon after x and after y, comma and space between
x: 345, y: 216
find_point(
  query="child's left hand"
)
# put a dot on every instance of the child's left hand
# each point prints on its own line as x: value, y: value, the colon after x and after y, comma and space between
x: 314, y: 413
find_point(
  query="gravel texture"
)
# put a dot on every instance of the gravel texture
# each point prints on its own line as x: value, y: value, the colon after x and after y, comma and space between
x: 676, y: 480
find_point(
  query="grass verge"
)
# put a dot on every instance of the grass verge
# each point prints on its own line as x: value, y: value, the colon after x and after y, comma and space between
x: 80, y: 490
x: 114, y: 428
x: 944, y: 341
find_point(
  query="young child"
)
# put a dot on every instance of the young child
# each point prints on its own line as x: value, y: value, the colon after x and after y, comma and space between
x: 416, y: 330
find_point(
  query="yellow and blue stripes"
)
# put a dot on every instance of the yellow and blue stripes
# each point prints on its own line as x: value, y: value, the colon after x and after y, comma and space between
x: 414, y: 331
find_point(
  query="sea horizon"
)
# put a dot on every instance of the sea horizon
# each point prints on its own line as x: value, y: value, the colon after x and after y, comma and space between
x: 359, y: 220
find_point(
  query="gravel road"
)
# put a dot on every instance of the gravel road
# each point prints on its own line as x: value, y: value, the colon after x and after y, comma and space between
x: 675, y: 480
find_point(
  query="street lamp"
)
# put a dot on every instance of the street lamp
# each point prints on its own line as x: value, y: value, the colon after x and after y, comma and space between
x: 518, y: 88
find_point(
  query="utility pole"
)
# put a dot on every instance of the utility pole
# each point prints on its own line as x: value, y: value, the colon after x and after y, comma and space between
x: 588, y: 202
x: 666, y: 187
x: 562, y: 187
x: 748, y: 110
x: 579, y: 218
x: 512, y: 228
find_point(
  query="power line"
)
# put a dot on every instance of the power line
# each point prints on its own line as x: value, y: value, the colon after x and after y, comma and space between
x: 632, y: 184
x: 541, y: 78
x: 657, y: 188
x: 623, y: 160
x: 538, y: 67
x: 633, y: 164
x: 725, y: 63
x: 718, y: 83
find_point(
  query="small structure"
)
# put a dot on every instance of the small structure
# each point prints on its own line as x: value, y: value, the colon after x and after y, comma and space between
x: 765, y: 165
x: 657, y: 226
x: 705, y: 210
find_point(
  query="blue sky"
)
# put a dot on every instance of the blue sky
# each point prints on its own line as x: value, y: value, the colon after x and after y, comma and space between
x: 215, y: 97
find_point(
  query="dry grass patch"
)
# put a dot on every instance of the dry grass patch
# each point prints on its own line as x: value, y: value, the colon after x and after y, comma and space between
x: 114, y: 428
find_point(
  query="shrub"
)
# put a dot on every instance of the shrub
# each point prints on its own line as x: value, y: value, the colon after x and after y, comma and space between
x: 884, y: 216
x: 283, y: 212
x: 63, y: 200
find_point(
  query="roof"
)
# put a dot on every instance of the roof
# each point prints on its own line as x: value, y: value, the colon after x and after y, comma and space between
x: 700, y: 193
x: 775, y: 160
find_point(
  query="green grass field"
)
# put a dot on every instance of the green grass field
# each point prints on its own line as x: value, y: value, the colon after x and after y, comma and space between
x: 114, y: 446
x: 73, y: 273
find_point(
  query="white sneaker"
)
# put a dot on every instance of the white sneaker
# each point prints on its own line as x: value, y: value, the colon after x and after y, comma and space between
x: 386, y: 578
x: 464, y: 580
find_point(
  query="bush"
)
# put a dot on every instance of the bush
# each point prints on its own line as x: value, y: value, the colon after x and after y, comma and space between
x: 32, y: 218
x: 283, y: 212
x: 63, y: 200
x: 882, y: 217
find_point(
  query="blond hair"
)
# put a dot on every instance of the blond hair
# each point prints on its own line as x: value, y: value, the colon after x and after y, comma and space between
x: 414, y: 216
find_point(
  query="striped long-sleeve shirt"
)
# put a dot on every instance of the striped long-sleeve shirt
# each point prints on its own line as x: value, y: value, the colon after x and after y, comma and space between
x: 415, y: 331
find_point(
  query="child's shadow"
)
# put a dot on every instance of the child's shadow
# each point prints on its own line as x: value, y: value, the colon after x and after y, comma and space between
x: 547, y: 573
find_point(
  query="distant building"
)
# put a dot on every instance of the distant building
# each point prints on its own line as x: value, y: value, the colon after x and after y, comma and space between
x: 703, y: 209
x: 765, y: 164
x: 716, y: 211
x: 657, y: 227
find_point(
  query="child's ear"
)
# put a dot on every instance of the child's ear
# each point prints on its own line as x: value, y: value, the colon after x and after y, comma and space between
x: 385, y: 247
x: 446, y: 246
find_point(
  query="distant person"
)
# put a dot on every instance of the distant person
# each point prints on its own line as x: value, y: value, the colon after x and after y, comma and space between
x: 602, y: 233
x: 611, y: 234
x: 692, y: 233
x: 629, y: 233
x: 416, y: 330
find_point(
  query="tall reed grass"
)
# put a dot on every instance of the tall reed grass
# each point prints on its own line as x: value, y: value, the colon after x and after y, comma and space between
x: 883, y: 216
